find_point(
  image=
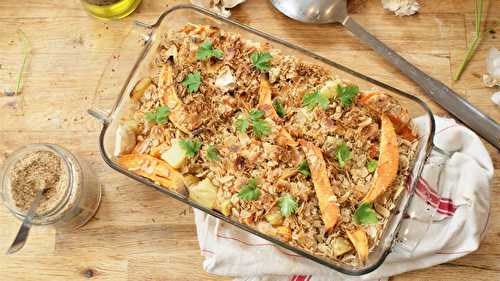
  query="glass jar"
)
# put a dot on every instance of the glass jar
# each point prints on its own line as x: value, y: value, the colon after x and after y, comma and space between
x: 80, y: 193
x: 110, y: 9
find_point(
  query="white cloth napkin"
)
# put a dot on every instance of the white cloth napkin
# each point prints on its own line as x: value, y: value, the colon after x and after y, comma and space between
x: 455, y: 192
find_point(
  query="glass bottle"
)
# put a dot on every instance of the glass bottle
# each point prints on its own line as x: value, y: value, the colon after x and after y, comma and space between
x: 110, y: 9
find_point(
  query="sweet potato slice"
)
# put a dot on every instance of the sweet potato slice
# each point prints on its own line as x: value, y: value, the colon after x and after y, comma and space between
x: 178, y: 114
x: 284, y: 138
x: 388, y: 161
x: 140, y: 88
x: 324, y: 192
x: 155, y: 169
x: 384, y: 104
x: 359, y: 240
x: 265, y: 100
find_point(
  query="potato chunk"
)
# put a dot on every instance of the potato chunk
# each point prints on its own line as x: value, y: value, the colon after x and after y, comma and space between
x: 175, y: 155
x: 360, y: 241
x: 204, y: 193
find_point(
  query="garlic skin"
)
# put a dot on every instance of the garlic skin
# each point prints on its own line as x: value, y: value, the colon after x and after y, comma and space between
x: 220, y: 7
x: 401, y: 7
x: 492, y: 77
x: 495, y: 98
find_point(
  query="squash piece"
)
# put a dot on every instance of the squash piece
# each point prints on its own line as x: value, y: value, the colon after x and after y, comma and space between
x: 388, y: 162
x: 274, y: 217
x: 190, y: 180
x: 359, y: 239
x: 284, y: 138
x: 224, y: 206
x: 175, y: 155
x: 178, y: 114
x: 324, y: 191
x: 265, y: 100
x: 155, y: 169
x: 204, y: 193
x: 284, y: 232
x: 139, y: 89
x: 341, y: 246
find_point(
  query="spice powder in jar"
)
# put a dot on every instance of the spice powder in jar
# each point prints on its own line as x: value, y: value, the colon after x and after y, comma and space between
x: 71, y: 193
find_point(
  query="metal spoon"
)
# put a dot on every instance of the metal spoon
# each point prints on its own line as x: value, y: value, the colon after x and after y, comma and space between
x: 328, y: 11
x: 22, y: 234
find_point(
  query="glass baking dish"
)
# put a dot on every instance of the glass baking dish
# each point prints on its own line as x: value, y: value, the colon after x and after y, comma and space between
x: 133, y: 61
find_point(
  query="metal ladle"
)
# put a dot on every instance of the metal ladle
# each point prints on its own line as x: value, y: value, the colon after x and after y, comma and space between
x: 329, y: 11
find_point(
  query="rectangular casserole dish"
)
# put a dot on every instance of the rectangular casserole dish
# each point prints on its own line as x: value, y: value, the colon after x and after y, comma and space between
x: 132, y: 62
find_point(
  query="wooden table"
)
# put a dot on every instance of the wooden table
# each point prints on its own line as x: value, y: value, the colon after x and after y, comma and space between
x: 139, y: 234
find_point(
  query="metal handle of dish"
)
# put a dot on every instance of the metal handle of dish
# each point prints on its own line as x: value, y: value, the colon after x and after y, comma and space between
x: 418, y: 219
x: 482, y: 124
x: 118, y: 70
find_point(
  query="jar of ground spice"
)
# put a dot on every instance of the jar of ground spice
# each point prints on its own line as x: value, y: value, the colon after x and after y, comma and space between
x: 71, y: 193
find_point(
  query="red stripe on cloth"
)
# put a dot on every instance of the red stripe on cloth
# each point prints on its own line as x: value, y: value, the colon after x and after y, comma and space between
x: 444, y: 205
x: 293, y: 278
x: 309, y: 278
x: 301, y: 277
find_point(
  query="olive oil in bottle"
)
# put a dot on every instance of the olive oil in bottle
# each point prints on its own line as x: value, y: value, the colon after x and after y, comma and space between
x: 110, y: 9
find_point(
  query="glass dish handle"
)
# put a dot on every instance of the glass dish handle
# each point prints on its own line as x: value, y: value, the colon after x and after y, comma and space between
x: 118, y: 71
x: 425, y: 207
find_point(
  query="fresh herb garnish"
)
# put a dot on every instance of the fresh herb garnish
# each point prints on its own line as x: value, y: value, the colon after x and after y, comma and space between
x: 342, y: 154
x: 311, y: 100
x: 347, y: 94
x: 365, y: 214
x: 206, y: 51
x: 371, y: 165
x: 192, y: 81
x: 241, y: 124
x: 190, y: 147
x: 280, y: 109
x: 212, y: 153
x: 249, y: 191
x: 255, y: 117
x: 261, y: 60
x: 304, y: 168
x: 288, y: 205
x: 159, y: 115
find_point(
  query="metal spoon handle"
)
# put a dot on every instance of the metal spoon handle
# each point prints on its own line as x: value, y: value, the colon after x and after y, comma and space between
x: 437, y: 91
x: 22, y: 234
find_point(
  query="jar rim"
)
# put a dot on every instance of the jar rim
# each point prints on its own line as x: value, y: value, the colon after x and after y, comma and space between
x: 14, y: 157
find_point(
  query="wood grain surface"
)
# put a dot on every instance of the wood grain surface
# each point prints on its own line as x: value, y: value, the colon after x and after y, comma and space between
x: 138, y: 234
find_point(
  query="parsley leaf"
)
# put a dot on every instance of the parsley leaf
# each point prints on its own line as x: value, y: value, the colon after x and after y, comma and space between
x: 159, y: 115
x: 280, y: 109
x: 304, y: 168
x: 190, y: 147
x: 212, y: 153
x: 261, y: 128
x: 256, y: 118
x: 261, y: 60
x: 288, y: 205
x: 371, y: 165
x: 249, y: 191
x: 241, y: 124
x: 347, y: 94
x: 192, y: 81
x: 311, y: 100
x: 365, y: 214
x: 343, y: 154
x: 206, y: 51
